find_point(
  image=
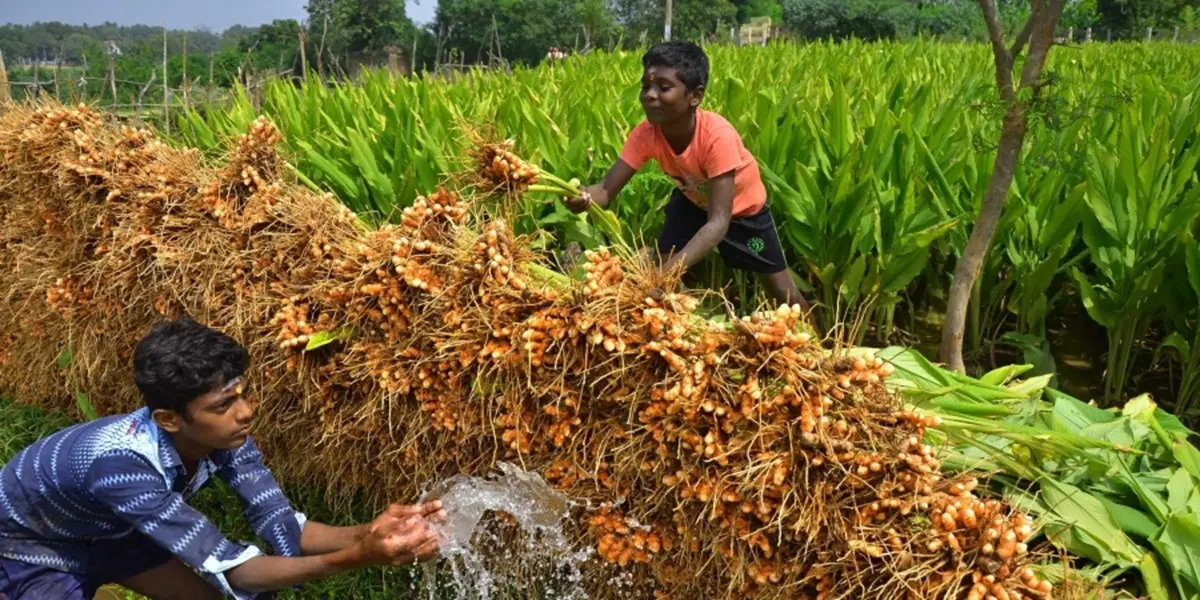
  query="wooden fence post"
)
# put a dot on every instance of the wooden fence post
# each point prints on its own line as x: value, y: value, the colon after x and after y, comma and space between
x: 57, y: 70
x: 142, y: 94
x: 112, y: 78
x: 5, y: 95
x: 1149, y: 33
x: 1088, y: 35
x: 303, y: 53
x: 166, y: 87
x: 185, y: 78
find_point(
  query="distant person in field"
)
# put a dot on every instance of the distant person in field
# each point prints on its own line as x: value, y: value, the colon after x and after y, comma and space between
x: 106, y: 501
x: 719, y: 200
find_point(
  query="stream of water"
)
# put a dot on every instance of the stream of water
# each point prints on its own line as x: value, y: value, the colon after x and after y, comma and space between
x: 486, y: 563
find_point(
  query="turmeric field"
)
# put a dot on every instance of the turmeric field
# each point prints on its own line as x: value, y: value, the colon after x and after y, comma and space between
x: 415, y: 323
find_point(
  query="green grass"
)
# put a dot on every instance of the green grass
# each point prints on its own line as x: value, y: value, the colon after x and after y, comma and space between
x: 20, y: 426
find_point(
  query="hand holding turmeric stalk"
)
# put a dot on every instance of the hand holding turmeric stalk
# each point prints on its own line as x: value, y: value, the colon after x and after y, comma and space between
x: 591, y: 199
x: 499, y: 168
x: 592, y: 194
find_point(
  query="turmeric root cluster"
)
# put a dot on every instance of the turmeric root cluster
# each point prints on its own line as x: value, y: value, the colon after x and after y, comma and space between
x: 502, y: 170
x: 711, y: 457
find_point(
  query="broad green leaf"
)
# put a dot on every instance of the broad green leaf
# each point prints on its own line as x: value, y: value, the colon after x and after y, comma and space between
x: 1157, y: 587
x: 1188, y: 457
x: 1181, y: 345
x: 1131, y: 520
x: 1064, y: 219
x: 1078, y: 414
x: 85, y: 406
x: 852, y: 279
x: 1150, y: 499
x: 1180, y: 490
x: 324, y: 338
x: 1003, y: 375
x: 346, y: 187
x: 1125, y: 432
x: 1179, y: 546
x: 1032, y: 387
x: 1098, y: 307
x: 1086, y: 523
x: 64, y: 358
x: 1192, y: 257
x: 1172, y: 425
x: 902, y: 270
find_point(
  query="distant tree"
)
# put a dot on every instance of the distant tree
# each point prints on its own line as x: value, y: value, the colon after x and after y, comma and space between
x: 369, y: 26
x: 750, y: 9
x: 517, y: 30
x: 691, y: 19
x: 1081, y: 14
x: 354, y: 30
x: 1130, y: 17
x: 274, y: 47
x: 891, y: 19
x: 596, y: 21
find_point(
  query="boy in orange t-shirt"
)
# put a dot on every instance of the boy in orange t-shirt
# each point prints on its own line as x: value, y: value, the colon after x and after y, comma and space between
x: 719, y: 201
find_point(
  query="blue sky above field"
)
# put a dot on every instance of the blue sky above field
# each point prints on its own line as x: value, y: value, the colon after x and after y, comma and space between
x: 214, y: 14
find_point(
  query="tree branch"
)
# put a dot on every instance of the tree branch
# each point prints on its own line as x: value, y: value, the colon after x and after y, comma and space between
x: 1023, y: 37
x: 1004, y: 60
x: 1040, y: 42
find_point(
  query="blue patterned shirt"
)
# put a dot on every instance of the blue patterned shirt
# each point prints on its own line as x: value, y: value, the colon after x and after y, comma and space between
x: 108, y: 478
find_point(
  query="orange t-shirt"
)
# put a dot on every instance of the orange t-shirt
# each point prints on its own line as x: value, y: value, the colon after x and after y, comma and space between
x: 716, y: 149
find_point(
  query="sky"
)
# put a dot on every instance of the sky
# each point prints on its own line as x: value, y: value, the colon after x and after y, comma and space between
x: 175, y: 14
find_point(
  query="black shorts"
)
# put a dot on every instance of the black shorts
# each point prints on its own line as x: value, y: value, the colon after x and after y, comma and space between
x: 751, y: 244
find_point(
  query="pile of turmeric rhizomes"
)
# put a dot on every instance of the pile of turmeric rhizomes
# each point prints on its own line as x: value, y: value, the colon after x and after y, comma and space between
x: 731, y: 461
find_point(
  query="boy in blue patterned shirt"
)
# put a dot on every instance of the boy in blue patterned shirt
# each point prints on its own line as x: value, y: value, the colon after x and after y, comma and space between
x: 106, y: 501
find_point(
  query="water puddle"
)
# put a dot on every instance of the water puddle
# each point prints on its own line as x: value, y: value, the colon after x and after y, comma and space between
x: 503, y: 538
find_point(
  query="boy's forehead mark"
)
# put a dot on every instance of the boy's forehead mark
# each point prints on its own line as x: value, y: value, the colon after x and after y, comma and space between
x: 655, y: 72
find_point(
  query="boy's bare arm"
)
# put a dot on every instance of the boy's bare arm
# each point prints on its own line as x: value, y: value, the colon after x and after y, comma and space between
x: 319, y: 538
x: 720, y: 213
x: 602, y: 193
x: 387, y: 541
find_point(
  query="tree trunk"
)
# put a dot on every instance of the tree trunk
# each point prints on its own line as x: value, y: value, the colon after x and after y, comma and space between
x: 1012, y: 138
x: 1038, y: 33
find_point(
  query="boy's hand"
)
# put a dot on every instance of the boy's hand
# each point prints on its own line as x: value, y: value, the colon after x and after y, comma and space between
x: 592, y: 193
x: 393, y: 541
x: 431, y: 511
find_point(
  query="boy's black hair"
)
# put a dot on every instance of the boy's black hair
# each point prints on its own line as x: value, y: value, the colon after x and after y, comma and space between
x: 686, y: 58
x: 181, y: 360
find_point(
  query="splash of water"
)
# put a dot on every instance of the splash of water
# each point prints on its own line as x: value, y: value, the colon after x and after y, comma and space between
x: 479, y: 563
